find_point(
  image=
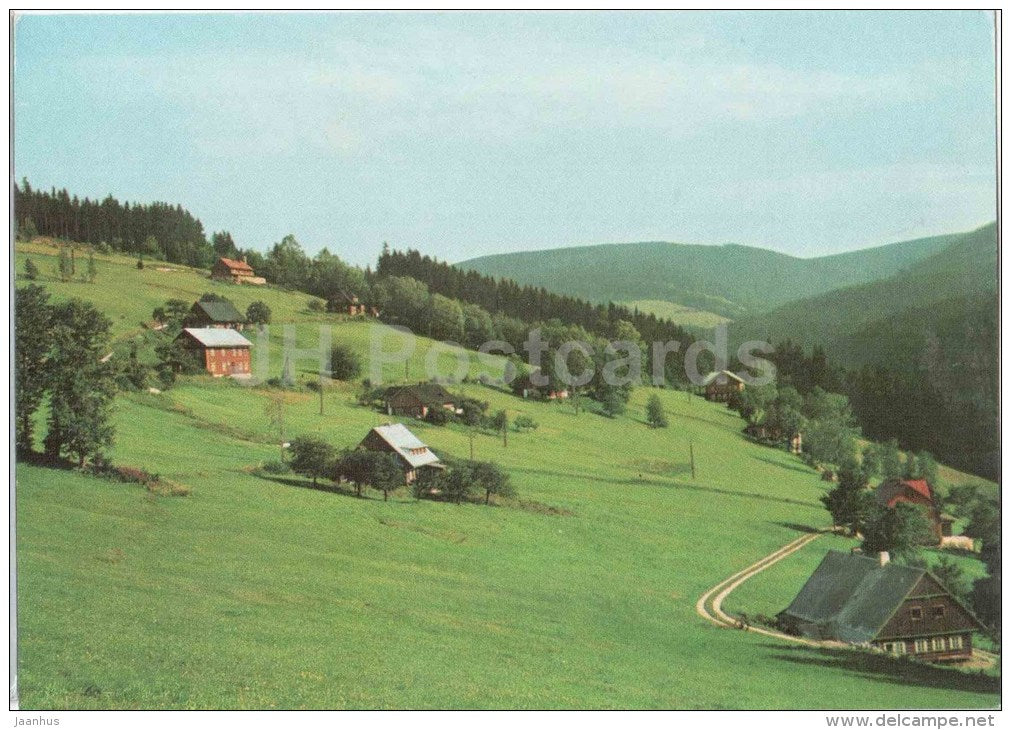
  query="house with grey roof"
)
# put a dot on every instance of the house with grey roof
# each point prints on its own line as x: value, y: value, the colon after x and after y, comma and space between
x: 218, y: 313
x: 220, y: 351
x: 872, y: 601
x: 721, y: 385
x: 411, y: 452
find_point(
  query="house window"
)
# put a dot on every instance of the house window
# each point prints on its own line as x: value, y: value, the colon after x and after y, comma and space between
x: 920, y: 646
x: 937, y: 611
x: 895, y: 647
x: 955, y: 642
x: 937, y: 643
x: 915, y: 613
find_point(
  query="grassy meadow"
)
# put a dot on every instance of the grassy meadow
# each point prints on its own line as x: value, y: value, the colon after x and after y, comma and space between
x: 262, y: 592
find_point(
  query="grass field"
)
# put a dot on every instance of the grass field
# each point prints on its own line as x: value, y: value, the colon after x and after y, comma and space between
x: 679, y: 313
x: 258, y: 592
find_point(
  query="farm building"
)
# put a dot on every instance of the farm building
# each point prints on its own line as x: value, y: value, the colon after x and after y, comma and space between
x: 720, y: 386
x: 237, y: 272
x: 918, y: 493
x: 524, y: 387
x: 220, y: 314
x: 896, y: 608
x: 347, y: 304
x: 397, y: 439
x: 222, y: 351
x: 417, y: 400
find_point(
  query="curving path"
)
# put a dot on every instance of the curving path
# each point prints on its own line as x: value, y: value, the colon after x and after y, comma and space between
x: 709, y: 605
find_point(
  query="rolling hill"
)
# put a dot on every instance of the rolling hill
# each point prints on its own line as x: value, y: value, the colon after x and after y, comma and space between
x: 258, y: 591
x: 731, y: 281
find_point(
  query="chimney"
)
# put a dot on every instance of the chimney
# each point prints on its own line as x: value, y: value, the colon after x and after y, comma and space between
x: 883, y: 558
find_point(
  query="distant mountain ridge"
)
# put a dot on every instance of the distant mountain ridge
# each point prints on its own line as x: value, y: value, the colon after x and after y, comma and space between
x: 730, y: 280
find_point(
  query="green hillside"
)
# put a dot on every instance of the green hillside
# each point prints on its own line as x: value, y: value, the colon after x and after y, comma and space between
x: 964, y: 269
x: 261, y: 592
x: 730, y: 280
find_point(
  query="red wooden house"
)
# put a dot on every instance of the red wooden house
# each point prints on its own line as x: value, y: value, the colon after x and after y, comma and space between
x: 918, y: 493
x: 722, y: 385
x: 237, y: 272
x: 222, y: 351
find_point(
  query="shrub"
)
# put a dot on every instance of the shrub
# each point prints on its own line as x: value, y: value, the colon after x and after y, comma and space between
x: 437, y: 416
x: 31, y: 270
x: 344, y: 363
x: 258, y: 313
x: 525, y: 423
x: 316, y: 305
x: 274, y: 466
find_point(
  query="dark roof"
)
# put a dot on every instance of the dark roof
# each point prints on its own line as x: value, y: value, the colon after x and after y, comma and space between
x: 426, y: 393
x: 220, y: 311
x: 850, y: 597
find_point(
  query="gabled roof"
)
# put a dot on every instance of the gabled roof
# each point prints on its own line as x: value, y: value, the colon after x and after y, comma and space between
x: 891, y: 488
x: 406, y: 444
x: 218, y: 311
x: 430, y: 394
x: 715, y: 374
x: 851, y: 597
x: 233, y: 264
x: 216, y: 337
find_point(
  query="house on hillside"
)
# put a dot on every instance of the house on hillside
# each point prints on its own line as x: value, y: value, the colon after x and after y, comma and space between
x: 871, y: 601
x: 222, y: 351
x: 417, y: 400
x: 346, y: 304
x: 720, y: 386
x: 920, y: 494
x: 237, y: 272
x: 524, y: 387
x: 397, y: 439
x: 219, y: 314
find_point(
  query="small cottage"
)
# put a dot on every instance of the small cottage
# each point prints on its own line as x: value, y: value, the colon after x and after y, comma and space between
x: 237, y: 272
x: 222, y: 351
x: 871, y: 601
x: 219, y: 314
x: 417, y: 400
x: 720, y: 386
x: 397, y: 439
x: 918, y: 493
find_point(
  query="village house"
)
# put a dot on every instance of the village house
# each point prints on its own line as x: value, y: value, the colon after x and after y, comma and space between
x: 525, y: 388
x: 237, y: 272
x: 346, y: 303
x: 871, y: 601
x: 920, y: 494
x: 397, y: 439
x: 720, y: 386
x: 218, y: 314
x: 222, y: 351
x: 417, y: 400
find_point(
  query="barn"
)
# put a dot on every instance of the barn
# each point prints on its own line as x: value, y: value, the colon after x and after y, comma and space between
x: 397, y: 439
x: 417, y: 400
x: 237, y: 272
x: 720, y: 386
x: 871, y: 601
x: 218, y: 313
x: 222, y: 351
x: 918, y: 493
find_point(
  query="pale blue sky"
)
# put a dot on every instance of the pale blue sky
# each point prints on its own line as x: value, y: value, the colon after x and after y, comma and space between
x: 467, y: 134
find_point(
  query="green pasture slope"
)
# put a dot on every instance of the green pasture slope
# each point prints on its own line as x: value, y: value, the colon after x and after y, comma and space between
x: 258, y: 592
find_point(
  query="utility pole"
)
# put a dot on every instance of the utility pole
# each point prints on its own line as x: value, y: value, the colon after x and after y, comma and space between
x: 691, y: 455
x: 471, y: 434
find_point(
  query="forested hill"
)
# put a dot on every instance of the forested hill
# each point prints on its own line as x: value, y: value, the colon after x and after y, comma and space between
x: 844, y: 318
x: 730, y: 280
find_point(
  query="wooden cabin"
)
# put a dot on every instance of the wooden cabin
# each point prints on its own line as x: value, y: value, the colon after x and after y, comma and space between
x: 218, y: 314
x: 871, y: 601
x: 920, y: 494
x: 222, y: 351
x: 417, y: 400
x: 237, y: 272
x: 720, y: 386
x: 397, y: 439
x: 524, y: 387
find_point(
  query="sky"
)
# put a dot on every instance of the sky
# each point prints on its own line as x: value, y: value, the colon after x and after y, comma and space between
x: 468, y: 134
